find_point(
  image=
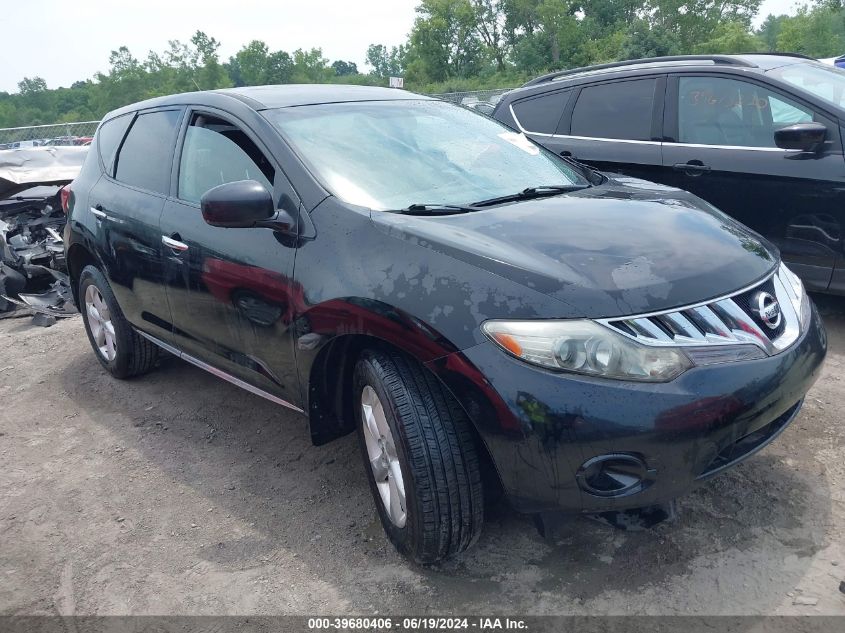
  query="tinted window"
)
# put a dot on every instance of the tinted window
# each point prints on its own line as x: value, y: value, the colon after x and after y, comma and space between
x: 720, y: 111
x: 108, y: 139
x: 215, y: 153
x: 541, y: 114
x: 144, y: 160
x: 619, y: 110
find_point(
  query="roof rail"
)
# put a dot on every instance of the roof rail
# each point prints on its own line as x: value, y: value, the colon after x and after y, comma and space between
x: 716, y: 59
x: 775, y: 54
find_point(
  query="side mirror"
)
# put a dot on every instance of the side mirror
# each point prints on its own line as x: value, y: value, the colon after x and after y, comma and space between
x: 240, y: 204
x: 806, y: 137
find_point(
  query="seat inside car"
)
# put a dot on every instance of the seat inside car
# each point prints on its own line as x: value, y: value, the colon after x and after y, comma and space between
x: 710, y: 113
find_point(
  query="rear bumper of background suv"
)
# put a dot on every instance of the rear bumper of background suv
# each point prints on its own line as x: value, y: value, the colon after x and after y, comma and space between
x: 551, y: 436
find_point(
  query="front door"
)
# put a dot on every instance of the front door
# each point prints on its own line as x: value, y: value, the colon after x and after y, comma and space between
x: 723, y: 149
x: 229, y: 288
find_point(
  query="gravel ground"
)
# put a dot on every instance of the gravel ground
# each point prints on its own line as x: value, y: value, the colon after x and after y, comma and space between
x: 177, y: 493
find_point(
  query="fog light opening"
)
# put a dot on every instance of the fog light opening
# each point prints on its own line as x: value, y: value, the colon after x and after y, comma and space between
x: 614, y: 475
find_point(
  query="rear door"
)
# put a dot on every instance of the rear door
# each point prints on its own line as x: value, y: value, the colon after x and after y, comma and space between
x: 230, y: 289
x: 127, y: 203
x: 720, y: 146
x: 614, y: 125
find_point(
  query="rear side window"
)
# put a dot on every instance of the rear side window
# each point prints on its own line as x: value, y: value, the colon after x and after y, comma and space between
x: 108, y: 139
x: 621, y: 110
x: 145, y: 157
x: 541, y: 114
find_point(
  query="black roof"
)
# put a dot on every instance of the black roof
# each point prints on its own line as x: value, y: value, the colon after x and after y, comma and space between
x: 278, y: 96
x: 760, y: 61
x: 290, y: 95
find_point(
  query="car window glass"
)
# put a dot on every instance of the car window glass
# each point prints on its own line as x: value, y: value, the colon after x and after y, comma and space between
x: 108, y: 139
x: 621, y: 110
x: 145, y: 157
x: 825, y: 82
x: 216, y: 152
x: 541, y: 114
x: 391, y: 154
x: 721, y: 111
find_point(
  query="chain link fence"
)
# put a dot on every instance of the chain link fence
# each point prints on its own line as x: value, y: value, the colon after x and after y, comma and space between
x: 472, y: 97
x: 57, y: 134
x: 80, y: 133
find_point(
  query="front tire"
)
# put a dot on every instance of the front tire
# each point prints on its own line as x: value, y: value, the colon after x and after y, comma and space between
x: 421, y: 458
x: 120, y: 350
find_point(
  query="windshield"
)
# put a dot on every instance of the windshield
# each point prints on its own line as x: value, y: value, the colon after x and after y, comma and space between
x: 393, y: 154
x: 826, y: 82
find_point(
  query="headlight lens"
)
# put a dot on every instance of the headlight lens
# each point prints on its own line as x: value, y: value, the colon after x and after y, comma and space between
x: 585, y: 347
x: 797, y: 293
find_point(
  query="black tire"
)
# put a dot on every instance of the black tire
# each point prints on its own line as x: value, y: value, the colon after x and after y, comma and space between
x: 438, y: 456
x: 134, y: 355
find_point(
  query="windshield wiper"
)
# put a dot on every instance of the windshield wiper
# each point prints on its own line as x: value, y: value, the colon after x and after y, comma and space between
x: 436, y: 209
x: 531, y: 192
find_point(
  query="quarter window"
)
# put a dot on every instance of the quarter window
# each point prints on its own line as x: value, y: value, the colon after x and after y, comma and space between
x: 108, y: 139
x: 620, y: 110
x: 145, y: 157
x: 721, y: 111
x: 541, y: 114
x: 216, y: 152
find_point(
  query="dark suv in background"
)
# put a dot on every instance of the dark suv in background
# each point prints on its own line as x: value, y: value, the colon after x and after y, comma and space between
x: 486, y: 314
x: 758, y: 136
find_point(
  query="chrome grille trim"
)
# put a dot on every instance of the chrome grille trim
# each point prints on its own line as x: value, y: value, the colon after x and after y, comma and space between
x: 719, y: 321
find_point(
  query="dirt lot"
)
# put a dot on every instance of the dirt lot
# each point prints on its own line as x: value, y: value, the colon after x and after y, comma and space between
x: 177, y: 493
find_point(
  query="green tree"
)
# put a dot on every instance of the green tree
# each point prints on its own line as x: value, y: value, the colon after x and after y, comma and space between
x: 444, y: 41
x: 30, y: 86
x: 386, y: 62
x: 731, y: 38
x: 344, y: 69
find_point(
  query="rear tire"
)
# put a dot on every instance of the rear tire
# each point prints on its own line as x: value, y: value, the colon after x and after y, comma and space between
x: 120, y: 350
x: 429, y: 448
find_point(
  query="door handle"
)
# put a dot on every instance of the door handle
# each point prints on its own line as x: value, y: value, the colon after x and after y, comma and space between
x: 98, y: 212
x: 692, y: 168
x: 566, y: 153
x: 175, y: 245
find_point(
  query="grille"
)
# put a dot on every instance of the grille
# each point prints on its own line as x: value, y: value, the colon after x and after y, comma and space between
x: 730, y: 320
x: 746, y: 302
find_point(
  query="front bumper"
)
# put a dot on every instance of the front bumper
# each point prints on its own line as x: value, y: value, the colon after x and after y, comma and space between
x: 540, y: 427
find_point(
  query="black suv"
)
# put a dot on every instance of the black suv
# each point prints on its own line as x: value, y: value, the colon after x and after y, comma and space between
x: 486, y: 314
x: 758, y: 136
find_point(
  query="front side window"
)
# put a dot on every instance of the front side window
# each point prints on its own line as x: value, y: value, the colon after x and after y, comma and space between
x: 721, y: 111
x: 216, y: 152
x: 145, y: 157
x: 825, y: 82
x: 392, y: 154
x: 620, y: 110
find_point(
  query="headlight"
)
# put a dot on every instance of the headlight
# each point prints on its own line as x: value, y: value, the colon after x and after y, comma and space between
x: 797, y: 294
x: 585, y: 347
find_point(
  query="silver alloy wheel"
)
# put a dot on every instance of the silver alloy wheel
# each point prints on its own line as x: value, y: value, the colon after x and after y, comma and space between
x: 99, y: 320
x: 384, y: 460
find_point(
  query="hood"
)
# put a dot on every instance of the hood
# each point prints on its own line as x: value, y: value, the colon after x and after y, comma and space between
x: 622, y: 248
x: 31, y: 166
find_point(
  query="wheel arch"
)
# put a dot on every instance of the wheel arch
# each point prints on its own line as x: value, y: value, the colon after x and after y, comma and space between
x: 330, y: 399
x: 78, y: 257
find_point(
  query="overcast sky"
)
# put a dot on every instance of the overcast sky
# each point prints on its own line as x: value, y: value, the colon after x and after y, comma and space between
x: 64, y: 41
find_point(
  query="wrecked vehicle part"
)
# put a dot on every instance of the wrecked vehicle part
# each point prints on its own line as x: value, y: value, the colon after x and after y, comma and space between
x: 21, y: 169
x: 31, y: 224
